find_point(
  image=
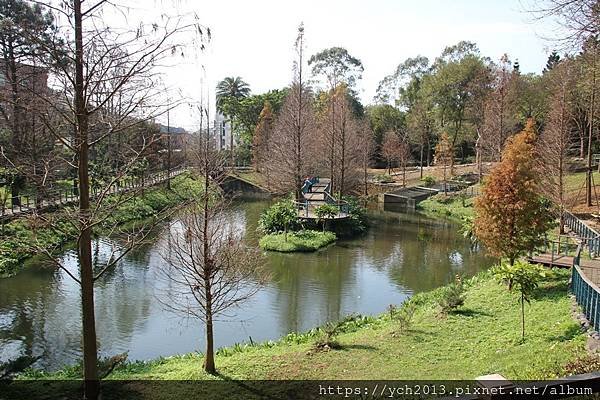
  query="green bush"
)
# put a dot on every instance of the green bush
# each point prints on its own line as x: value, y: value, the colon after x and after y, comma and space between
x: 297, y: 241
x: 403, y: 315
x: 452, y: 296
x: 384, y: 178
x: 428, y: 180
x: 356, y: 224
x: 280, y: 217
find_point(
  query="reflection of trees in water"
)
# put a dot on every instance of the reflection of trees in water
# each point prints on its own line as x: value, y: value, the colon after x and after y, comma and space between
x: 420, y: 253
x: 41, y: 307
x: 47, y: 310
x: 311, y: 287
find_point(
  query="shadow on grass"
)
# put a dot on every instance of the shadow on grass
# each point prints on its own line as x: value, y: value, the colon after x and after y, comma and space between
x: 570, y: 333
x: 469, y: 312
x: 552, y: 288
x: 346, y: 347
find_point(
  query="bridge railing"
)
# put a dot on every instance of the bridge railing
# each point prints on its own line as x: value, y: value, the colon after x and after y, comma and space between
x: 586, y: 293
x: 590, y: 236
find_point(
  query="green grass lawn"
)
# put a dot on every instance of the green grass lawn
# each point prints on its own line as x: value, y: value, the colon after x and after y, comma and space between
x: 450, y: 207
x: 482, y: 337
x: 297, y: 241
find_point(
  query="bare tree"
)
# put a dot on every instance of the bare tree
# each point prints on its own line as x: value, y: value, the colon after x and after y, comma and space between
x: 498, y: 123
x: 555, y: 139
x: 211, y: 267
x: 338, y: 142
x: 366, y: 153
x: 580, y: 19
x: 404, y: 157
x: 389, y: 149
x: 96, y: 66
x: 444, y: 154
x: 293, y: 138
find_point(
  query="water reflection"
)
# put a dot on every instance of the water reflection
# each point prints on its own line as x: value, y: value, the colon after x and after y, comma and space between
x: 402, y: 254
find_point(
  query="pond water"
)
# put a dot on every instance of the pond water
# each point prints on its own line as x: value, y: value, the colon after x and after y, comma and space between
x: 400, y: 255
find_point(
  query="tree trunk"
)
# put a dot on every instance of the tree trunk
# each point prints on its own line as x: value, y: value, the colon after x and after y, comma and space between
x: 90, y: 351
x: 523, y: 315
x: 231, y: 154
x: 209, y: 358
x: 421, y: 162
x: 588, y: 182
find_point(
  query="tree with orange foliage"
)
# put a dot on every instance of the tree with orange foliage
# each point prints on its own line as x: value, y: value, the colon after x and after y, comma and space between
x: 511, y: 217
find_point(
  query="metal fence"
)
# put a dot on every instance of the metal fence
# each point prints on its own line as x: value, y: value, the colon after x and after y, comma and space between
x: 56, y: 198
x: 590, y: 236
x: 587, y: 295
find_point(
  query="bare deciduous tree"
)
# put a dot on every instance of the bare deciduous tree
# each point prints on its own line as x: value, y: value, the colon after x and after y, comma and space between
x: 292, y: 153
x: 338, y: 145
x: 94, y: 65
x: 366, y: 153
x: 555, y: 140
x: 211, y: 267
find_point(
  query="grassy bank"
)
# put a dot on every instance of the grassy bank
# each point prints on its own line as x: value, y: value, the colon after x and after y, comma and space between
x: 452, y: 207
x: 482, y: 337
x: 297, y: 241
x: 17, y: 237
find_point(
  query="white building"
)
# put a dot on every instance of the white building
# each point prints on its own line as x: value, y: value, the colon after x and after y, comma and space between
x: 222, y: 132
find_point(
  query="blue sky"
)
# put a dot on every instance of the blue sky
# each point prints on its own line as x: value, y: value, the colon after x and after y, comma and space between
x: 254, y: 39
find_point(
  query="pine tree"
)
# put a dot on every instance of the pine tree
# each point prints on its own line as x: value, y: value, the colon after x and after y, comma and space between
x: 511, y: 217
x: 553, y: 60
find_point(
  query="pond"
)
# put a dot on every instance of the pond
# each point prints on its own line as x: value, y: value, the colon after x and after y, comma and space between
x: 401, y: 254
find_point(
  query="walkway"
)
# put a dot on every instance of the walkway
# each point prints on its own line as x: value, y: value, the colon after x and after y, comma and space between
x: 65, y: 197
x: 319, y: 195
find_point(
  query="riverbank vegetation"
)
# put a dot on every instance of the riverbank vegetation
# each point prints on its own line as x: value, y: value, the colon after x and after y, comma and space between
x: 17, y: 237
x: 304, y: 240
x: 480, y: 336
x: 455, y: 207
x: 284, y: 231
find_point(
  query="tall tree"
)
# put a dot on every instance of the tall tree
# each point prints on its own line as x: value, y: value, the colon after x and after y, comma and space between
x: 230, y: 91
x: 511, y: 216
x: 555, y: 141
x: 95, y: 57
x: 335, y: 66
x: 340, y: 148
x: 210, y: 267
x: 499, y: 112
x: 262, y: 138
x: 366, y: 150
x: 454, y: 83
x: 553, y: 60
x: 444, y: 156
x: 293, y: 137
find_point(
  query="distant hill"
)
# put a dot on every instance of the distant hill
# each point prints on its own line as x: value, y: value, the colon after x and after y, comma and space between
x: 173, y: 129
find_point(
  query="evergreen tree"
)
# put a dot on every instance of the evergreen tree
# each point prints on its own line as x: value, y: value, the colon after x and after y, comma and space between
x: 553, y: 60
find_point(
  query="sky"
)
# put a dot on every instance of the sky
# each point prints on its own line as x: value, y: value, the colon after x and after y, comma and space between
x: 254, y: 39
